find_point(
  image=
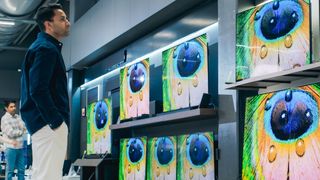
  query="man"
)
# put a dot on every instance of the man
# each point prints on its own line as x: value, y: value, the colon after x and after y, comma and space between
x: 13, y: 130
x: 44, y: 96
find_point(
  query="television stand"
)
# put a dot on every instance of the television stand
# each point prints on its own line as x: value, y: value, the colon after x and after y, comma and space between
x: 93, y: 168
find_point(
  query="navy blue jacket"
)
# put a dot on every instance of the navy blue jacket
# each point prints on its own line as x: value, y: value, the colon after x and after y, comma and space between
x: 44, y: 94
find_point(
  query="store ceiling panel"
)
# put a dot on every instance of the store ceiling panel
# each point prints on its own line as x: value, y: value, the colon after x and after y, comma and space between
x: 17, y: 30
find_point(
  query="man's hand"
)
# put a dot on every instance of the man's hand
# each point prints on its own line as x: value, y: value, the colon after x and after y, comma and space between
x: 14, y: 142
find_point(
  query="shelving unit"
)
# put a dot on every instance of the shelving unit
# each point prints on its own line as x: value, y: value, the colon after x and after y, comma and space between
x: 169, y: 118
x: 283, y: 77
x: 91, y: 168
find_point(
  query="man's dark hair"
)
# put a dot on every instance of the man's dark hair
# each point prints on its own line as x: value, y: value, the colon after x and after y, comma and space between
x: 7, y: 103
x: 46, y: 13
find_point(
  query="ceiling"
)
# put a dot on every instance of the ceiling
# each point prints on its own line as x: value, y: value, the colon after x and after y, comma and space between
x: 17, y: 30
x: 15, y: 39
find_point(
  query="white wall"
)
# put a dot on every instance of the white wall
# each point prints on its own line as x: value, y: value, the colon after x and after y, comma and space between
x: 228, y: 139
x: 105, y: 21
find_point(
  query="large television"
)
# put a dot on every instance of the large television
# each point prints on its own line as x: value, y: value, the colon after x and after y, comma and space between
x: 132, y: 162
x: 162, y: 158
x: 196, y: 156
x: 281, y: 135
x: 99, y: 118
x: 134, y: 90
x: 273, y: 37
x: 185, y: 74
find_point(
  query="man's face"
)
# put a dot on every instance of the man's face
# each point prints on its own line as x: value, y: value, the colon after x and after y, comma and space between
x: 11, y: 109
x: 59, y: 26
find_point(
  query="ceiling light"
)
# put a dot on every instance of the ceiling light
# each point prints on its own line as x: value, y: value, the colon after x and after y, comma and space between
x: 165, y: 34
x: 197, y: 21
x: 9, y: 23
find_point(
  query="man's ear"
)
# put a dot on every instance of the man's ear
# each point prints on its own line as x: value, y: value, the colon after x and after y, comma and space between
x: 47, y: 25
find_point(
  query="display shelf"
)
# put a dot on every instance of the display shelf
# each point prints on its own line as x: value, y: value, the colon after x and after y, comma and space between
x: 88, y: 162
x: 91, y: 168
x: 282, y: 77
x: 169, y: 117
x: 92, y: 162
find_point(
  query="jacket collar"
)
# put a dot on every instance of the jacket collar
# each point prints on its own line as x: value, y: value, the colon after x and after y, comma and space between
x: 8, y: 114
x: 43, y: 35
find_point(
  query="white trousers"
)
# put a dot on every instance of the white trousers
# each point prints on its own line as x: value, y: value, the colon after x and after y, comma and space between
x: 48, y: 151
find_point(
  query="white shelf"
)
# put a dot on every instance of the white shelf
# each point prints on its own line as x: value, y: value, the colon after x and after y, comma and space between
x: 169, y: 118
x: 283, y: 77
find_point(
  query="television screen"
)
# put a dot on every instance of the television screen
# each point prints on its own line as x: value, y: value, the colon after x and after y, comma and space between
x: 92, y: 95
x: 196, y: 156
x: 132, y: 162
x: 134, y: 90
x: 162, y: 158
x: 99, y: 117
x: 185, y: 74
x: 272, y: 37
x: 281, y: 135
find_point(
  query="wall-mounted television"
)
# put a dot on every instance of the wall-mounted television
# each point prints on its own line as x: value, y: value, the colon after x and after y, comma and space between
x: 92, y: 95
x: 134, y: 90
x: 162, y: 158
x: 132, y: 162
x: 99, y: 118
x: 196, y: 156
x: 272, y: 37
x: 185, y: 74
x: 281, y: 135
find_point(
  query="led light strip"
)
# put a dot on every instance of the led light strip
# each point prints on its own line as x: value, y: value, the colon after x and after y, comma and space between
x: 8, y: 23
x: 175, y: 43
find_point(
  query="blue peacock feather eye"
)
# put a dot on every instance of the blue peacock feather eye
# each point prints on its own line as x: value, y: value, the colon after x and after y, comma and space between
x: 292, y: 115
x: 277, y: 19
x: 198, y: 149
x: 164, y: 151
x: 135, y: 150
x: 188, y: 58
x: 101, y: 115
x: 136, y: 77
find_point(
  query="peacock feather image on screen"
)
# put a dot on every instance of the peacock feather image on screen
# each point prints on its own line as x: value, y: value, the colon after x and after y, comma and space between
x: 185, y: 74
x: 272, y: 37
x: 99, y: 117
x: 162, y: 158
x: 281, y: 135
x: 196, y: 157
x: 134, y: 90
x: 132, y: 162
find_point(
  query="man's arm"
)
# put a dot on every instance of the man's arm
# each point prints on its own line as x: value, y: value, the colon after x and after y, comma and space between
x: 22, y: 125
x: 40, y: 76
x: 8, y: 141
x: 8, y: 130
